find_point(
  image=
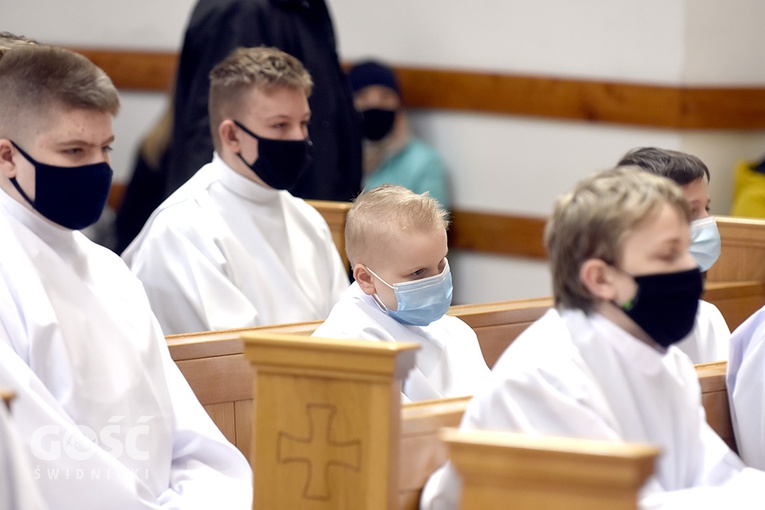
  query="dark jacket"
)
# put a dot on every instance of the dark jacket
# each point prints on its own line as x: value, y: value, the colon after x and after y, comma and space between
x: 300, y: 28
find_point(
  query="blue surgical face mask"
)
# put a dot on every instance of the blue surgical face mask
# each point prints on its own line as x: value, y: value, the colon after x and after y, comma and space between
x: 422, y: 301
x: 73, y: 197
x: 705, y: 242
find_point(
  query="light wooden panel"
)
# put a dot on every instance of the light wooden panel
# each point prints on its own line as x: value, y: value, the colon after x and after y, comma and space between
x: 327, y: 419
x: 500, y: 470
x: 658, y: 106
x: 421, y: 450
x: 743, y: 250
x: 735, y: 300
x: 223, y: 416
x: 714, y: 398
x: 334, y: 213
x: 502, y: 234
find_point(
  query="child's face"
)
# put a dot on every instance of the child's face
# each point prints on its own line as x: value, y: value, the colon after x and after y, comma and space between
x: 697, y: 194
x: 279, y: 114
x: 411, y: 256
x: 658, y: 245
x: 74, y: 137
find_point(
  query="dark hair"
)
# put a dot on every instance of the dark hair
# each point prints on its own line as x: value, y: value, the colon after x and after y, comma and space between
x: 370, y: 72
x: 680, y: 167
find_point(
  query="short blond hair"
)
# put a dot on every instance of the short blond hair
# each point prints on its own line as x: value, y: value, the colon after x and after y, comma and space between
x: 245, y: 68
x: 37, y: 81
x: 380, y: 213
x: 8, y: 41
x: 593, y: 220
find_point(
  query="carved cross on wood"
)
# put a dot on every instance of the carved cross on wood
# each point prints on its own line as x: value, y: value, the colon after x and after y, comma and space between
x: 319, y: 451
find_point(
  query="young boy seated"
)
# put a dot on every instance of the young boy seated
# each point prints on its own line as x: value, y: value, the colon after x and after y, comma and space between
x: 104, y: 414
x: 602, y: 364
x: 709, y: 339
x: 232, y: 248
x: 396, y: 243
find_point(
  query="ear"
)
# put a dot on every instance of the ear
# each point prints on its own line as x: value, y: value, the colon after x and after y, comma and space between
x: 598, y: 278
x: 364, y: 278
x: 7, y: 166
x: 229, y: 136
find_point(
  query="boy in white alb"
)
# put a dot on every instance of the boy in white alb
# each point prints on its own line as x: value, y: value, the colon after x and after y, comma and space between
x: 396, y: 243
x: 602, y: 364
x: 104, y: 414
x: 232, y: 248
x: 709, y: 339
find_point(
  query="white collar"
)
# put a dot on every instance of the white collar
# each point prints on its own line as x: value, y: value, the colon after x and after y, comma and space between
x: 49, y: 232
x: 239, y: 185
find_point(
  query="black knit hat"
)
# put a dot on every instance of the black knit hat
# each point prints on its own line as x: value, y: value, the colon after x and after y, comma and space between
x: 369, y: 73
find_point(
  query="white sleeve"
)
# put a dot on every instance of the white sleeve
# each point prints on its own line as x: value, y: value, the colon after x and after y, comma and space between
x: 207, y: 470
x: 187, y: 288
x: 17, y: 488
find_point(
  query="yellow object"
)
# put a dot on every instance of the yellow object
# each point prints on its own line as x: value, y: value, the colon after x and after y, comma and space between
x: 749, y: 192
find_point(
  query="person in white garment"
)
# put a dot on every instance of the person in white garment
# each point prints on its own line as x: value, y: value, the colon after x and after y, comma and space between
x: 106, y: 417
x: 231, y: 247
x: 745, y: 380
x: 710, y: 337
x: 18, y: 489
x: 602, y: 364
x: 396, y: 243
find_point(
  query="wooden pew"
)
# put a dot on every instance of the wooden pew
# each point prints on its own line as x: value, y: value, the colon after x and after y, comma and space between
x: 334, y: 214
x: 298, y: 376
x: 741, y: 254
x: 497, y: 324
x: 502, y: 470
x: 213, y: 362
x: 736, y: 300
x: 218, y: 373
x: 714, y: 398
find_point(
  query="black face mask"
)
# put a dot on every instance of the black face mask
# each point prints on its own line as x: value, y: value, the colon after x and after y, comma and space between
x: 73, y: 197
x: 280, y: 163
x: 378, y: 123
x: 665, y: 304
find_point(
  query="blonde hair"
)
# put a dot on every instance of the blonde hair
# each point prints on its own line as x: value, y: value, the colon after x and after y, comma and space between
x: 245, y: 68
x: 8, y: 41
x: 37, y: 81
x: 378, y: 214
x: 593, y: 220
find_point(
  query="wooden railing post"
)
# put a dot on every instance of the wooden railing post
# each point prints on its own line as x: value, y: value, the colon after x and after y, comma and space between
x: 327, y: 421
x: 502, y: 470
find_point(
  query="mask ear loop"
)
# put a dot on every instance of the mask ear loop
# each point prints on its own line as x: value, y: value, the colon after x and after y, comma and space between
x: 630, y: 303
x: 375, y: 297
x: 13, y: 179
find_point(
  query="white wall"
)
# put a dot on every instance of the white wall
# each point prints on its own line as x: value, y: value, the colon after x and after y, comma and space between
x: 497, y: 163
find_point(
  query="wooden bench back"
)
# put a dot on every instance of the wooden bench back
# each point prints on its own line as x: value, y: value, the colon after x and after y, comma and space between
x: 222, y: 379
x: 743, y: 242
x: 334, y: 214
x: 501, y: 470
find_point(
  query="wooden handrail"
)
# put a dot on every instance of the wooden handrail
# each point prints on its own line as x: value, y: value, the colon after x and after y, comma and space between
x: 659, y: 106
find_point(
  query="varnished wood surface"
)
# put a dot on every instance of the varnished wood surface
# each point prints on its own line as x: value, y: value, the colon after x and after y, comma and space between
x: 502, y: 470
x: 222, y: 380
x: 659, y: 106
